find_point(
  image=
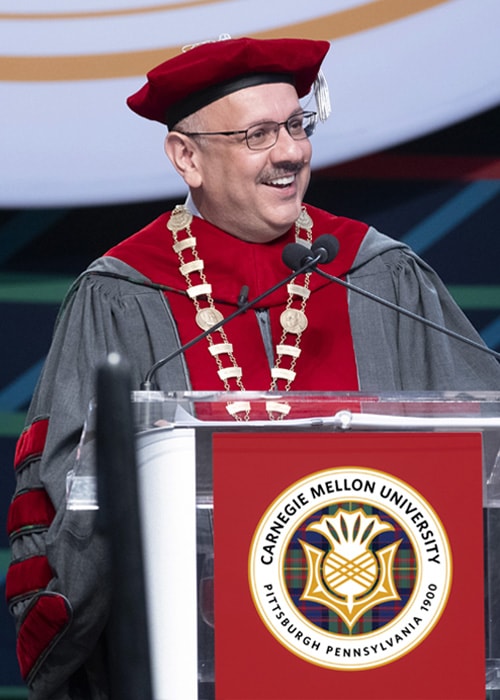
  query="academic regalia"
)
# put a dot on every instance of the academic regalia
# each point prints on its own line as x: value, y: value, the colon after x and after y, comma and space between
x: 58, y: 584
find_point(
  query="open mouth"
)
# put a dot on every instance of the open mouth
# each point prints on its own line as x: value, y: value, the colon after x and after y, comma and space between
x: 281, y: 182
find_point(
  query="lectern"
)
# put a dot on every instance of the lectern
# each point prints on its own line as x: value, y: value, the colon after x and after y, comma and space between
x: 328, y: 545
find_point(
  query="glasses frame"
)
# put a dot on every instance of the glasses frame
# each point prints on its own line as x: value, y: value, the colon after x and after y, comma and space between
x: 305, y: 114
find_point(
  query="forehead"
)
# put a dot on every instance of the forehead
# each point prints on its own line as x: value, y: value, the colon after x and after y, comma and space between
x: 259, y: 103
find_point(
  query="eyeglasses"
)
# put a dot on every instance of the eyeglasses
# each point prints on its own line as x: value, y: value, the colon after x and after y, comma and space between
x: 261, y: 136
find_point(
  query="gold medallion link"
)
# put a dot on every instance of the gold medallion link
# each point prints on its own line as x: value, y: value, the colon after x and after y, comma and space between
x: 199, y: 290
x: 304, y: 220
x: 220, y: 349
x: 293, y: 321
x: 238, y: 407
x: 193, y: 266
x: 208, y: 317
x: 179, y: 219
x: 230, y: 373
x: 290, y: 350
x: 278, y: 407
x: 299, y: 290
x: 282, y: 373
x: 184, y: 244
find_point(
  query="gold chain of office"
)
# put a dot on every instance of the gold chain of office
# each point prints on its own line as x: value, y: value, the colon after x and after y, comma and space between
x: 293, y: 319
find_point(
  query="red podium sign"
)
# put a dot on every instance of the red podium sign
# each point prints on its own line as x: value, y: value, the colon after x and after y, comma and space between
x: 348, y: 566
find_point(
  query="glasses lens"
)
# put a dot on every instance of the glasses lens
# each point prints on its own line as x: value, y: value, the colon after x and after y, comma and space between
x: 265, y: 135
x: 300, y: 126
x: 262, y: 135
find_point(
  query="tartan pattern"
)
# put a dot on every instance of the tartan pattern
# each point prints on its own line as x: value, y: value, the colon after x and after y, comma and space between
x: 404, y: 573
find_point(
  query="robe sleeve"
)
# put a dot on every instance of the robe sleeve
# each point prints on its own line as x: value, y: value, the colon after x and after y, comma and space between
x: 58, y: 580
x: 397, y: 353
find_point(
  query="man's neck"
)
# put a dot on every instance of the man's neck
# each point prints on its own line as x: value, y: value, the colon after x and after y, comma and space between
x: 191, y: 206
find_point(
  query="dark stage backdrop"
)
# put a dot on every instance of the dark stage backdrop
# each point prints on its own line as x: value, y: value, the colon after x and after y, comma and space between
x: 440, y: 193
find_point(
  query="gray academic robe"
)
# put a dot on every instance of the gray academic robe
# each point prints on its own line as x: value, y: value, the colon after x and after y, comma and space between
x: 103, y: 314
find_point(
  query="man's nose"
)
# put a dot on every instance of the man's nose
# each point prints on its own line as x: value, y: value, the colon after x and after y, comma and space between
x: 285, y: 144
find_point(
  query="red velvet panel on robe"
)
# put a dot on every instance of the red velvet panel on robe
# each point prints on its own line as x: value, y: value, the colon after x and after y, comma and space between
x: 327, y: 361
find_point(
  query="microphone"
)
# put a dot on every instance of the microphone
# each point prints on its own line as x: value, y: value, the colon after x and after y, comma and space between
x: 325, y: 252
x: 300, y: 254
x: 243, y: 296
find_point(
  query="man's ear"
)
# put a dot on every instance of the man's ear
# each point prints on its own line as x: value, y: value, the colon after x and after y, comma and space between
x: 184, y: 155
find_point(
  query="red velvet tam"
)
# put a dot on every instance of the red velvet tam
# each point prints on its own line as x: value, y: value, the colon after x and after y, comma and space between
x: 206, y: 72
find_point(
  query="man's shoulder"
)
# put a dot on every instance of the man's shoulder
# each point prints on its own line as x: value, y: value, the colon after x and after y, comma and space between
x: 368, y: 246
x: 349, y: 233
x: 147, y: 251
x: 148, y: 237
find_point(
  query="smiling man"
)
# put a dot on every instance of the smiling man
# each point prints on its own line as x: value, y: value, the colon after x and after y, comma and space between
x: 238, y: 135
x: 253, y: 167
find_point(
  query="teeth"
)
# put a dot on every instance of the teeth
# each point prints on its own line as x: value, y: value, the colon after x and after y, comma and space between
x: 283, y: 181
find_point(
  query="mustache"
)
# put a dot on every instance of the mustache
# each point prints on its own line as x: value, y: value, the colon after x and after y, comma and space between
x: 282, y: 170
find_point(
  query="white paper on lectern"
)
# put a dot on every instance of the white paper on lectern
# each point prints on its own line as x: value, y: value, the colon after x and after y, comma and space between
x: 348, y: 420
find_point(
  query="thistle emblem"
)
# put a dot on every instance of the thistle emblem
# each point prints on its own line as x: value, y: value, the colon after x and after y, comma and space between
x: 350, y: 578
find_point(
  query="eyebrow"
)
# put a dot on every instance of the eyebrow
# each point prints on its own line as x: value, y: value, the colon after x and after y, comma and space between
x: 299, y: 110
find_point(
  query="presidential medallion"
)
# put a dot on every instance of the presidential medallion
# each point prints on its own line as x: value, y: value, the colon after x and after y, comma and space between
x: 208, y: 317
x: 293, y: 321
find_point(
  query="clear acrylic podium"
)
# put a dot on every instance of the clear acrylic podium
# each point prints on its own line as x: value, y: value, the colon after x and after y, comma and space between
x: 174, y: 440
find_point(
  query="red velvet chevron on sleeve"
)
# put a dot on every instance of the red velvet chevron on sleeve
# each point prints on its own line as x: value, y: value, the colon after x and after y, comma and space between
x: 31, y: 442
x: 26, y: 577
x: 29, y: 511
x: 45, y: 622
